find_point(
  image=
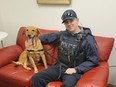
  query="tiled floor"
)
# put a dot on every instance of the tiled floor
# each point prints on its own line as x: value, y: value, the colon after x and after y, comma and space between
x: 110, y: 85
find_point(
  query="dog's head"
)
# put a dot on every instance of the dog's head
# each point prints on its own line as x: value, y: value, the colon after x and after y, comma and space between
x: 31, y: 32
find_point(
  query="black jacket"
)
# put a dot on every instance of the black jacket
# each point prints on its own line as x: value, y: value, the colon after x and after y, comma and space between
x: 76, y: 50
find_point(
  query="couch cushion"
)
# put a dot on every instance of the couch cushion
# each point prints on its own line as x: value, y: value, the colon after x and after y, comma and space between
x: 104, y: 45
x: 16, y: 76
x: 21, y: 38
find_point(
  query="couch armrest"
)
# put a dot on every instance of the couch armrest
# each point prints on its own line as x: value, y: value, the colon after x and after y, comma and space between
x: 7, y: 54
x: 97, y: 77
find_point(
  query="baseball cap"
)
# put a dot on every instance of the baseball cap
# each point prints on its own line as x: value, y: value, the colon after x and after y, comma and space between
x: 68, y: 14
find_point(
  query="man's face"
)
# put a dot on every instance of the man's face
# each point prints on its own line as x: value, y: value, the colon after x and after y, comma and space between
x: 71, y: 25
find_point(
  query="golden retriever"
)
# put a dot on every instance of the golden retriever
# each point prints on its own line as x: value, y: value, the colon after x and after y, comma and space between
x: 33, y: 50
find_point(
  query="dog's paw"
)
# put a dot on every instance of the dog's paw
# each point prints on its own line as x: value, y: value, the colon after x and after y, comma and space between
x: 35, y: 71
x: 28, y: 68
x: 46, y: 67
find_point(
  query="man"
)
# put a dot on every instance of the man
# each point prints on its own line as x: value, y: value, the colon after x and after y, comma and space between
x: 77, y: 53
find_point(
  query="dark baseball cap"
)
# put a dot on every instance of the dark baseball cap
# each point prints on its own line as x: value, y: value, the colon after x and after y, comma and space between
x: 68, y: 14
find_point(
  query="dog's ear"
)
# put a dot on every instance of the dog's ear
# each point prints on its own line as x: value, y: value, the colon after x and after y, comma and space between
x: 38, y: 31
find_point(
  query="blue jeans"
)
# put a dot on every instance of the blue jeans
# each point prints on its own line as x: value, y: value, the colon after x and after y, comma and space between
x: 54, y: 73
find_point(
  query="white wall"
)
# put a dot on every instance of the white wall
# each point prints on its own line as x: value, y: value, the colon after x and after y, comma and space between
x: 99, y: 15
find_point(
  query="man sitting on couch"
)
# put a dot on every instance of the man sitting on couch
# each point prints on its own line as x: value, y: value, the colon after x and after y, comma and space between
x: 77, y: 53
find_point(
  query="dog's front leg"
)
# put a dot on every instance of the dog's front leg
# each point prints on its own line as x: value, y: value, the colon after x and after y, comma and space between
x: 33, y: 64
x: 25, y: 65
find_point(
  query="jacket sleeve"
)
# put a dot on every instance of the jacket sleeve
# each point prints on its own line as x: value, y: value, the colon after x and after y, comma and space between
x: 51, y: 38
x: 91, y: 55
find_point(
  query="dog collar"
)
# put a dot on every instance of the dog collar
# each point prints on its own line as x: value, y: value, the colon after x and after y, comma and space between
x: 35, y: 50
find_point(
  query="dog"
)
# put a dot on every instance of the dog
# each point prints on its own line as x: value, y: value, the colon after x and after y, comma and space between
x: 33, y: 50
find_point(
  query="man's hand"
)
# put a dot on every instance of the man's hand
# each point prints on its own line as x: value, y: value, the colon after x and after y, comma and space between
x: 70, y: 71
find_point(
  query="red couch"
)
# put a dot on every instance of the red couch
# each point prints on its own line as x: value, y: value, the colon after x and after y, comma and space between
x: 11, y: 76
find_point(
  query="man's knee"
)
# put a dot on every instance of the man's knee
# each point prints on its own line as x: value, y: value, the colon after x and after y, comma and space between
x: 35, y: 77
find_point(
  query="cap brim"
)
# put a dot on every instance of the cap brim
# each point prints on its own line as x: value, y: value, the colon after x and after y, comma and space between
x: 67, y: 19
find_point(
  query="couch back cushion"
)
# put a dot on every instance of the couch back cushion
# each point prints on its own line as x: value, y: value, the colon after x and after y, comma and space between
x: 49, y: 49
x: 104, y: 45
